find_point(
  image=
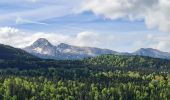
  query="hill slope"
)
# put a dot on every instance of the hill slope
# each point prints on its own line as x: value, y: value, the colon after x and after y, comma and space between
x: 13, y: 57
x: 11, y: 53
x: 128, y: 61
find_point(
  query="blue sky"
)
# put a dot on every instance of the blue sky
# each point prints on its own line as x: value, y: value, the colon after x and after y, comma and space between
x: 121, y: 25
x: 83, y: 22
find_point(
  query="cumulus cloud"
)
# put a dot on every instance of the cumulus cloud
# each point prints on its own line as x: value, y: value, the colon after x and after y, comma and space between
x: 19, y: 38
x: 155, y: 13
x: 93, y: 39
x: 10, y: 35
x: 117, y: 41
x: 161, y: 42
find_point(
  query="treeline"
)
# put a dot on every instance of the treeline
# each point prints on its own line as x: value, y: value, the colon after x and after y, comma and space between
x: 38, y: 63
x: 106, y: 77
x: 83, y: 84
x: 118, y: 61
x: 129, y: 61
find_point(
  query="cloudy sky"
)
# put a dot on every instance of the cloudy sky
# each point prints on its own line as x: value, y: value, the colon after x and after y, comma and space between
x: 120, y: 25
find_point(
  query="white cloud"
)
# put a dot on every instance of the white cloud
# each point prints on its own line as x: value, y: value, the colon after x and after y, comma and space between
x: 20, y: 20
x: 94, y: 39
x: 154, y: 12
x: 117, y: 41
x: 11, y: 36
x: 34, y: 10
x: 18, y: 38
x: 37, y: 14
x: 162, y: 42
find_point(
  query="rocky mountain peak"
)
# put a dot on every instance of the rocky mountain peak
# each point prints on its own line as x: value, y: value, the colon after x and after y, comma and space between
x: 44, y: 49
x: 41, y: 42
x: 63, y: 45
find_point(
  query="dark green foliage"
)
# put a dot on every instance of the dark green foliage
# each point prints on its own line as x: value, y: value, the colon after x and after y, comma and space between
x: 129, y: 61
x: 10, y: 53
x: 83, y: 84
x: 106, y: 77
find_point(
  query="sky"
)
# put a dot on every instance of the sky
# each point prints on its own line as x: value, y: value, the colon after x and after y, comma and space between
x: 120, y: 25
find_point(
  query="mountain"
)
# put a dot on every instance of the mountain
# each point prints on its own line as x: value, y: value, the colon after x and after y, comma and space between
x: 44, y: 49
x: 152, y: 53
x: 17, y: 58
x: 11, y: 53
x: 11, y: 57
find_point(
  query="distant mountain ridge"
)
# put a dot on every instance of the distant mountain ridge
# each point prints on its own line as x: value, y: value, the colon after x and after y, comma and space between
x: 17, y: 58
x: 150, y: 52
x: 44, y: 49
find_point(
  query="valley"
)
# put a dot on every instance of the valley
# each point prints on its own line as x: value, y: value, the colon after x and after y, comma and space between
x: 106, y: 77
x: 84, y: 50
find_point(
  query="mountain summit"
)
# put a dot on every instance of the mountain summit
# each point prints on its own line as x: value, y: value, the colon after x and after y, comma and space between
x: 152, y: 53
x: 41, y: 46
x: 41, y: 42
x: 44, y: 49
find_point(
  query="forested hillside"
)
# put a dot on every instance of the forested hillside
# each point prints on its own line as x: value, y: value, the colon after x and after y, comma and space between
x: 106, y: 77
x: 11, y: 53
x: 129, y: 62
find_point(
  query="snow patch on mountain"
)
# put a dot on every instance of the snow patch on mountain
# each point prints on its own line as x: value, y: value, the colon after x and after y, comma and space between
x: 44, y: 49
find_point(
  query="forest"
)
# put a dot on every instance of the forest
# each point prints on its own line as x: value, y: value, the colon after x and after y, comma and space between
x: 107, y: 77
